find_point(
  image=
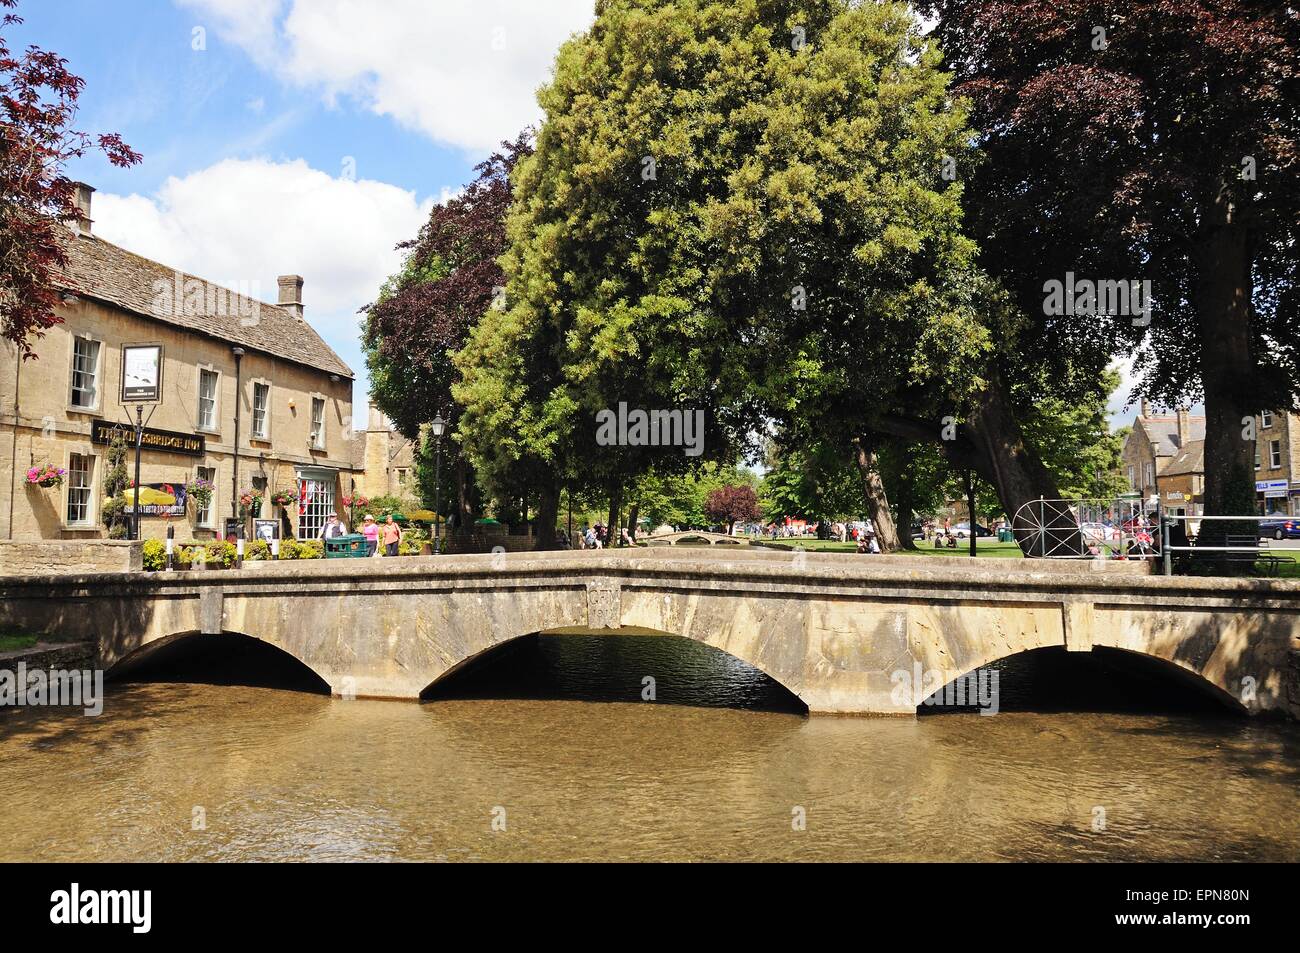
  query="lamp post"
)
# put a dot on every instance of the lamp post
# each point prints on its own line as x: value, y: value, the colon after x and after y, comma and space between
x: 438, y: 426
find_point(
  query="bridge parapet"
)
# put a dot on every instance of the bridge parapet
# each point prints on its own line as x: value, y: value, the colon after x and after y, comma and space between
x: 835, y: 630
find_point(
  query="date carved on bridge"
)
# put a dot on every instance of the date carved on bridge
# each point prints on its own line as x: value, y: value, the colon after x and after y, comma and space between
x: 604, y: 607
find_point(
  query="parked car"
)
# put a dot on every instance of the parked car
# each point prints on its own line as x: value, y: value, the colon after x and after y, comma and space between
x: 918, y: 529
x: 1283, y: 527
x: 962, y: 530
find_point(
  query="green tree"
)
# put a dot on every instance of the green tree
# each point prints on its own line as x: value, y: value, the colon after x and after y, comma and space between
x: 1144, y: 140
x: 736, y: 206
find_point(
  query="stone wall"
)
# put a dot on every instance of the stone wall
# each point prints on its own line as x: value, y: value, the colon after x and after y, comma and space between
x: 68, y: 556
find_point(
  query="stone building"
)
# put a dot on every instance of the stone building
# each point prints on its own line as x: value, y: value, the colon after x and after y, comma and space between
x: 388, y: 459
x: 1153, y: 442
x: 1181, y: 481
x: 1166, y: 454
x: 251, y: 398
x: 1277, y: 464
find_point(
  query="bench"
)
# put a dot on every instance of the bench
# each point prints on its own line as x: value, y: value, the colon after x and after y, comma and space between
x: 1247, y: 549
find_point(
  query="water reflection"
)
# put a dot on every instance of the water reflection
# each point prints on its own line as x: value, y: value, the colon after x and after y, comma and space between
x: 290, y: 776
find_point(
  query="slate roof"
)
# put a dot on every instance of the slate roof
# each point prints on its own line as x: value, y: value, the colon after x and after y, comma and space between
x: 1190, y: 459
x: 103, y: 271
x: 1163, y: 431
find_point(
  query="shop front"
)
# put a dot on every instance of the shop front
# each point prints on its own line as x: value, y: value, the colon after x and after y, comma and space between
x: 1271, y: 496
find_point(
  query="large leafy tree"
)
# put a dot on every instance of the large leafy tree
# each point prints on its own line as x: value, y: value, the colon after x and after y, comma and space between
x: 449, y: 278
x: 1148, y: 140
x: 737, y: 206
x: 38, y: 104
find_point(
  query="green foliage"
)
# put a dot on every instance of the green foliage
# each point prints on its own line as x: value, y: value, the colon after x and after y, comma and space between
x: 680, y: 499
x: 154, y: 555
x: 114, y: 483
x: 302, y: 549
x: 774, y: 168
x: 1074, y: 440
x: 811, y: 481
x: 257, y: 549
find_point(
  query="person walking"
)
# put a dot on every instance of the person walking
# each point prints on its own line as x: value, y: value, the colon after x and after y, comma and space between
x: 392, y: 534
x: 370, y: 530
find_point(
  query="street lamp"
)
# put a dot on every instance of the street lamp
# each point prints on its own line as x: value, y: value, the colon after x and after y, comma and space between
x: 438, y: 426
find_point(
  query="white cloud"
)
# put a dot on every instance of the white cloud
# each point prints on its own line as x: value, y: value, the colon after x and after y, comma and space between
x: 242, y: 223
x: 464, y: 72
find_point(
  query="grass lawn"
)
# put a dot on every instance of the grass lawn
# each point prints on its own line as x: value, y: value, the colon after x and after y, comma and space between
x: 13, y: 641
x: 984, y: 547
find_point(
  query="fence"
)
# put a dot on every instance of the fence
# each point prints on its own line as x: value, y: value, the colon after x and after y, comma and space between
x: 1087, y: 528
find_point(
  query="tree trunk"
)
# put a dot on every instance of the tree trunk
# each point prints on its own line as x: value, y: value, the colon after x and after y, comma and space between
x: 968, y: 477
x: 615, y: 505
x: 1223, y: 311
x: 873, y: 489
x: 465, y: 492
x: 904, y: 493
x: 548, y: 515
x: 632, y: 515
x: 992, y: 444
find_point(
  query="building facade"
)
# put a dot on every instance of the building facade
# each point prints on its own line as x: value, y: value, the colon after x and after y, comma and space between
x: 1277, y: 464
x: 250, y: 400
x: 1153, y: 443
x: 389, y: 460
x: 1164, y: 456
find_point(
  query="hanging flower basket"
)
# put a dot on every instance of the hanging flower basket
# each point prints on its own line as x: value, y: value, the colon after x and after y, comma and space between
x: 284, y: 497
x: 200, y: 491
x: 46, y: 476
x: 250, y: 502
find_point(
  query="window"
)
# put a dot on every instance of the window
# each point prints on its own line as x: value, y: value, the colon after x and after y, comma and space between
x: 261, y: 399
x: 1274, y: 454
x: 207, y: 399
x: 316, y: 497
x: 85, y: 373
x: 1265, y: 420
x: 1148, y: 475
x: 1132, y: 477
x: 402, y: 475
x: 81, y: 470
x: 1257, y: 457
x: 203, y: 514
x: 317, y: 438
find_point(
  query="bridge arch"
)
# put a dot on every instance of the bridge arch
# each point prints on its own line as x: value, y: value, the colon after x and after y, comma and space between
x: 230, y: 658
x: 1111, y: 678
x: 696, y: 672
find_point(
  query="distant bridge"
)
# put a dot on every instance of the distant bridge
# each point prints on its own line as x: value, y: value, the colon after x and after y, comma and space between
x: 833, y: 629
x: 693, y: 535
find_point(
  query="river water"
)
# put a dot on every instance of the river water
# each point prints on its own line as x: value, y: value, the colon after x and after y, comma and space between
x: 549, y: 751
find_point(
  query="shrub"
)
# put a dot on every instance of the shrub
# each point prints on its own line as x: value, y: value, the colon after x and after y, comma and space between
x: 302, y: 549
x: 257, y: 549
x: 155, y: 555
x: 221, y: 553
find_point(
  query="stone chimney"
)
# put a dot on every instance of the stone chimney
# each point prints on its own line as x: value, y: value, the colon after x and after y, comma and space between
x: 82, y: 195
x: 1144, y: 408
x: 291, y: 294
x: 1184, y: 427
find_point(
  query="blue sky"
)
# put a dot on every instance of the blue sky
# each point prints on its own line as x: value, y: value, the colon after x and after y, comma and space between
x: 295, y: 136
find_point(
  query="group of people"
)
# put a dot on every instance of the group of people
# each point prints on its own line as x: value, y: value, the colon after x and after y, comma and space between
x: 598, y: 537
x: 390, y: 532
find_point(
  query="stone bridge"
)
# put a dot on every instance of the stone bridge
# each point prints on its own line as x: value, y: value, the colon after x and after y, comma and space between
x: 833, y: 629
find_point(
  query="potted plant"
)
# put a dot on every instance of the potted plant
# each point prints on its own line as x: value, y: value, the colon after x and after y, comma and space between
x: 46, y: 476
x: 284, y: 498
x: 352, y: 504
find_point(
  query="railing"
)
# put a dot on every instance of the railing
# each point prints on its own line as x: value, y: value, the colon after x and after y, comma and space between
x: 1251, y: 547
x: 1087, y: 528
